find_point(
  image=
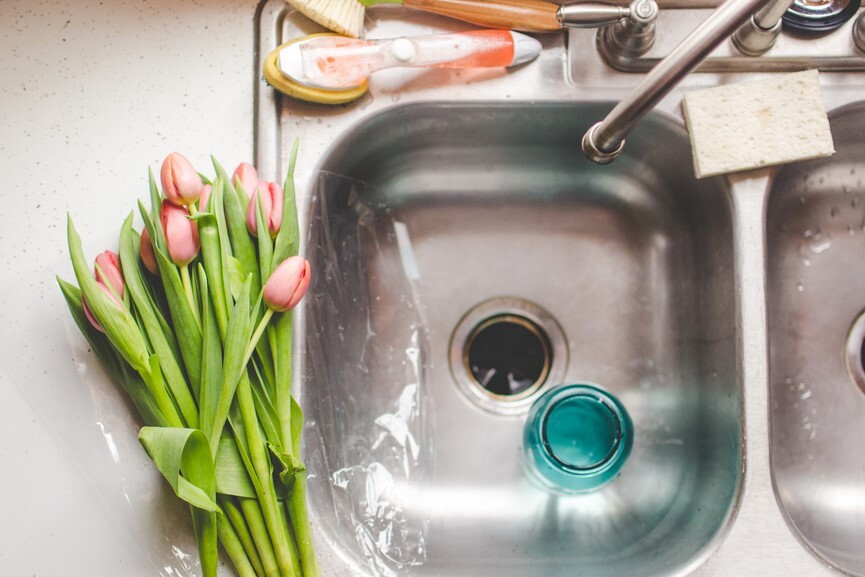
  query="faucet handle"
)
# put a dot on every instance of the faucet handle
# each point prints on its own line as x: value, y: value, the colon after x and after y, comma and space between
x: 634, y: 36
x: 599, y: 14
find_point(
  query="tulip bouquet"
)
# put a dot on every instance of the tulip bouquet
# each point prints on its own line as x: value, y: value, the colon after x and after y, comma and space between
x: 192, y: 318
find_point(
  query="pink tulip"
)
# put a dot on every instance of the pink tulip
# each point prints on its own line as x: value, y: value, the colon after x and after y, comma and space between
x: 180, y: 182
x: 108, y: 271
x: 181, y: 234
x: 145, y: 250
x: 287, y: 284
x: 204, y: 196
x: 247, y: 176
x: 271, y: 208
x: 89, y: 314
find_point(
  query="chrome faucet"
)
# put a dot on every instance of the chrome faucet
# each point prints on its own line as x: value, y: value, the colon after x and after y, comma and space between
x: 603, y: 142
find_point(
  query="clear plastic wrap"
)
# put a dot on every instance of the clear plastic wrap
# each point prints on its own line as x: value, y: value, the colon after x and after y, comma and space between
x: 367, y: 443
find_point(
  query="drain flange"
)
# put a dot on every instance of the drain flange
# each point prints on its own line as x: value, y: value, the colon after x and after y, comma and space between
x: 503, y: 351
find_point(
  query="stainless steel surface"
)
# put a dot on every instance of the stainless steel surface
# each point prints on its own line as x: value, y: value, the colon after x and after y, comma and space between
x: 752, y: 39
x: 833, y: 52
x: 590, y: 14
x: 768, y: 16
x: 604, y: 142
x: 758, y: 539
x: 496, y: 203
x: 633, y: 36
x: 761, y: 31
x: 815, y: 293
x: 859, y: 32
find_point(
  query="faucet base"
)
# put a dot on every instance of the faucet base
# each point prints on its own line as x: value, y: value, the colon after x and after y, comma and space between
x: 594, y: 153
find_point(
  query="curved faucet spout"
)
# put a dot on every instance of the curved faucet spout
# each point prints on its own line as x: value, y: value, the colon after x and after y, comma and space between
x: 604, y: 141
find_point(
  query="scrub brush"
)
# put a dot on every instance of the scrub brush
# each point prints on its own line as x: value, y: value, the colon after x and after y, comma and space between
x: 346, y: 16
x: 333, y: 69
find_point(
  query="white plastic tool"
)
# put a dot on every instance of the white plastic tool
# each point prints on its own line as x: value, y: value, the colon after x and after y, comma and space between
x: 332, y: 62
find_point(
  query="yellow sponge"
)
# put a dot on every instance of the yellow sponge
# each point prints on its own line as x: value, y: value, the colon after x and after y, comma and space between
x: 274, y: 76
x: 760, y: 123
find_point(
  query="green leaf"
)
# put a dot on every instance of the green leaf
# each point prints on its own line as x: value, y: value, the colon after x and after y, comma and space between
x: 121, y: 373
x: 242, y: 246
x: 264, y: 408
x: 232, y: 477
x: 118, y: 323
x: 211, y: 253
x: 234, y: 361
x: 135, y: 286
x: 183, y: 457
x: 157, y: 236
x: 183, y: 319
x: 211, y: 365
x: 288, y: 238
x: 265, y: 243
x: 282, y: 331
x: 236, y: 276
x: 225, y: 247
x: 296, y: 426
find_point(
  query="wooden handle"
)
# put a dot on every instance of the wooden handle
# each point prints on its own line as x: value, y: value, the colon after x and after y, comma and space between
x: 522, y: 15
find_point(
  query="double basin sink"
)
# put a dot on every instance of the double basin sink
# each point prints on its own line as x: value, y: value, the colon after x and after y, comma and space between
x: 468, y: 258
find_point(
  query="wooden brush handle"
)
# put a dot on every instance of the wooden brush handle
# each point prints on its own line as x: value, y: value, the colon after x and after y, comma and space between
x: 522, y: 15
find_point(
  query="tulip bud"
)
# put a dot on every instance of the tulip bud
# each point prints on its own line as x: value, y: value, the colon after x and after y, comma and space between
x: 108, y: 271
x: 287, y: 284
x: 204, y: 197
x: 89, y: 314
x: 181, y: 234
x: 247, y: 176
x: 271, y: 208
x: 180, y: 182
x: 145, y: 251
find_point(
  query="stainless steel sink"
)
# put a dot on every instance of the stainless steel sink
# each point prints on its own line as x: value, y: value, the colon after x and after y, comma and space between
x: 443, y: 198
x: 816, y: 293
x: 438, y: 208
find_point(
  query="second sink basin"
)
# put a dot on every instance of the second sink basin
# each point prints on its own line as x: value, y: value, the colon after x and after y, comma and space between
x: 816, y: 294
x: 430, y: 223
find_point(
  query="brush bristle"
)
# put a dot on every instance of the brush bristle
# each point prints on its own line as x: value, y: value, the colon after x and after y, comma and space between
x: 342, y: 16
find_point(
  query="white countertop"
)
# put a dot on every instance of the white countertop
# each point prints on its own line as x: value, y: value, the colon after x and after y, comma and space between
x: 94, y: 93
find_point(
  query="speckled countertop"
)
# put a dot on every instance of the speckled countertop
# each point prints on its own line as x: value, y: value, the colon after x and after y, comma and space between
x: 92, y: 94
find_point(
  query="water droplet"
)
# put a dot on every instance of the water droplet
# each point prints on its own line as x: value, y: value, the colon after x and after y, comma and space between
x: 834, y: 212
x: 396, y: 97
x: 800, y: 287
x: 816, y: 241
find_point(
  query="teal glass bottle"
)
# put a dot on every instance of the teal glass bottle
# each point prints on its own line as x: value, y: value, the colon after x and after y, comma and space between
x: 576, y: 439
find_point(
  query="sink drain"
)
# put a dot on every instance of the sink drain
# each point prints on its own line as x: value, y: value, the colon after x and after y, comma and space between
x: 503, y: 352
x: 854, y: 352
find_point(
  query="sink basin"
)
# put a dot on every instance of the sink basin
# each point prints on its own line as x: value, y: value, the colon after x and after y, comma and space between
x: 428, y: 219
x: 815, y: 293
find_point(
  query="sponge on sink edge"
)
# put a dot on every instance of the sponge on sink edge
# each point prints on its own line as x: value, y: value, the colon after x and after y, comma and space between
x: 760, y: 123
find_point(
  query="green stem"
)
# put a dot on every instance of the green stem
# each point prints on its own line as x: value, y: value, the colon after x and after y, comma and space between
x: 240, y: 527
x: 259, y: 330
x: 264, y: 487
x: 187, y: 289
x: 233, y: 546
x: 206, y: 534
x: 258, y: 531
x: 163, y: 401
x: 300, y: 523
